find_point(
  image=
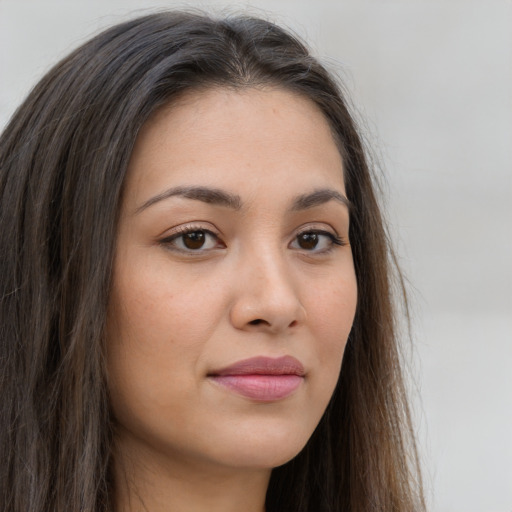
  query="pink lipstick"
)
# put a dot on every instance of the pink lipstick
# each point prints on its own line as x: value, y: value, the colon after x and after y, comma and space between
x: 263, y: 379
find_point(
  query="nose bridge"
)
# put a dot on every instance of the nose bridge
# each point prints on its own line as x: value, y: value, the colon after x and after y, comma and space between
x: 267, y: 294
x: 275, y: 278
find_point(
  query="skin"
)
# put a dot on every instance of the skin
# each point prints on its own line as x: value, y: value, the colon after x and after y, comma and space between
x: 254, y: 288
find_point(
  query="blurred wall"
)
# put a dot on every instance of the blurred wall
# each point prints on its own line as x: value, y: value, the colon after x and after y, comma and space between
x: 433, y: 80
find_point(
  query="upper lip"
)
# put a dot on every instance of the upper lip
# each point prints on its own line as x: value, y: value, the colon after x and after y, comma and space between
x: 262, y: 365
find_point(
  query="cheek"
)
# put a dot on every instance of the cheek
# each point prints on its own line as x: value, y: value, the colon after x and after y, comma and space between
x: 331, y: 318
x: 160, y: 320
x: 157, y: 328
x: 158, y: 306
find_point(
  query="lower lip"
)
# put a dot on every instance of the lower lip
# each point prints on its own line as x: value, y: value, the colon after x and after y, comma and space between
x: 262, y: 388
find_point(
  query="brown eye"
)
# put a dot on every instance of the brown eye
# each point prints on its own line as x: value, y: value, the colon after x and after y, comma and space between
x: 194, y: 239
x: 316, y: 241
x: 307, y: 241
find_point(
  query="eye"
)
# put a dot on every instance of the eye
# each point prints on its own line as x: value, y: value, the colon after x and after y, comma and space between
x: 192, y: 240
x: 316, y: 241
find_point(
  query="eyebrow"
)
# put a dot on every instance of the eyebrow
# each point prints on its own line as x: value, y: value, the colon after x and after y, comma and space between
x: 319, y: 197
x: 205, y: 194
x: 222, y: 198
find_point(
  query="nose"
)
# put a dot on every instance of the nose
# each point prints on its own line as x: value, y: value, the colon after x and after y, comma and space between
x: 266, y: 296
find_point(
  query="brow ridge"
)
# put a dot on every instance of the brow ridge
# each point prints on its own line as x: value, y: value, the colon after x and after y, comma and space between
x: 319, y: 197
x: 205, y: 194
x: 220, y: 197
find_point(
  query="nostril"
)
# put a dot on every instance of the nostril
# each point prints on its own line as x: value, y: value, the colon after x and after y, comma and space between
x: 258, y: 321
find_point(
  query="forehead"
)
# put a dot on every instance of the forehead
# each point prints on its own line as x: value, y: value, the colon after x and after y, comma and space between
x: 227, y: 137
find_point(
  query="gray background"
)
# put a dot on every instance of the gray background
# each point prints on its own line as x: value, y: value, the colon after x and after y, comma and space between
x: 433, y: 79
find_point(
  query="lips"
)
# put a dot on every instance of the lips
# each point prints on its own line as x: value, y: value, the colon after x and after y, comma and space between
x: 263, y: 379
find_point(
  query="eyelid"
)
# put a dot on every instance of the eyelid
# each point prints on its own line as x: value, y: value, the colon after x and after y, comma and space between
x: 335, y: 240
x: 317, y: 227
x: 169, y: 240
x: 183, y: 229
x: 187, y: 227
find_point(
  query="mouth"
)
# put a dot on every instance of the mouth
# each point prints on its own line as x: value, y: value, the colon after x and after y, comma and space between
x: 263, y: 379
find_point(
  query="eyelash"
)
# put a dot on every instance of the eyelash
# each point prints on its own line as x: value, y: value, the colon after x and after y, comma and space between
x: 334, y: 240
x: 170, y: 241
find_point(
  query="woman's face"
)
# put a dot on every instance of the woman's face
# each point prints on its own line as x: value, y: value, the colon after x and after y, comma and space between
x: 234, y: 288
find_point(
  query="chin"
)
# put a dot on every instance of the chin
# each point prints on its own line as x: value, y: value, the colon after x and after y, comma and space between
x: 264, y: 448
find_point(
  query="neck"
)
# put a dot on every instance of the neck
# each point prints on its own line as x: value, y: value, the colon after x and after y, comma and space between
x: 150, y: 482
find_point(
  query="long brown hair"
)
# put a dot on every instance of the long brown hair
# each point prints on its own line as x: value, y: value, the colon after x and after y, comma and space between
x: 63, y: 159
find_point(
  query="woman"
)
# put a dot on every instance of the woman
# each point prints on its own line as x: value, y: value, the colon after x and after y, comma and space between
x: 191, y: 249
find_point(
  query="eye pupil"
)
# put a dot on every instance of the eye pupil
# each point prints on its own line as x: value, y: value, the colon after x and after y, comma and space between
x: 308, y: 240
x: 194, y: 240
